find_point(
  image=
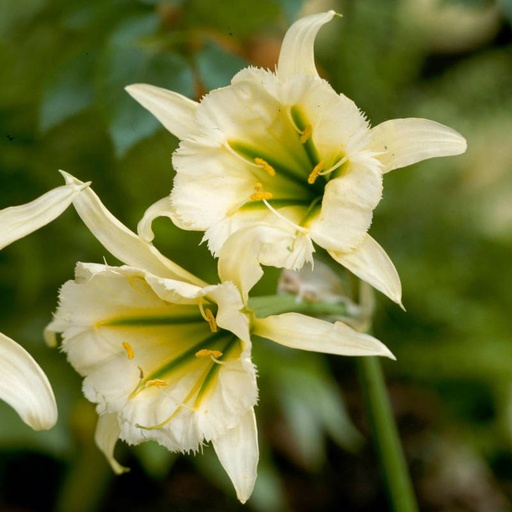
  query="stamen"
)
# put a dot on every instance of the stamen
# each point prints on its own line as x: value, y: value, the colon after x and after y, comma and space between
x: 137, y: 387
x: 129, y: 350
x: 282, y: 217
x: 209, y: 317
x: 204, y: 352
x: 316, y: 172
x: 212, y: 354
x: 181, y: 405
x: 334, y: 167
x: 306, y: 134
x: 155, y: 382
x: 259, y: 195
x: 265, y: 166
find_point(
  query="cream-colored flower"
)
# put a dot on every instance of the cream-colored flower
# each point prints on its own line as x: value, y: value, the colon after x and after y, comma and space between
x: 285, y: 155
x: 167, y: 357
x: 23, y: 384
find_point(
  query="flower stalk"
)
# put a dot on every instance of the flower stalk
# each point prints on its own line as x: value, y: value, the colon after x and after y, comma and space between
x: 387, y: 442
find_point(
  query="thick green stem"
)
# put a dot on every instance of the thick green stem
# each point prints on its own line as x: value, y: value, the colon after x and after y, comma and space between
x: 387, y: 442
x: 277, y: 304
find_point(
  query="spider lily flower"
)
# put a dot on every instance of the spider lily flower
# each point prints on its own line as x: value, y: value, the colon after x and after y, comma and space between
x: 285, y: 151
x: 167, y: 357
x: 23, y: 384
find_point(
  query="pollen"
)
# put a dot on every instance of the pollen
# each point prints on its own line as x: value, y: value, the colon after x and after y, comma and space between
x: 204, y: 352
x: 129, y: 350
x: 265, y: 166
x: 156, y: 382
x: 210, y: 318
x: 316, y: 172
x: 259, y: 195
x: 306, y: 134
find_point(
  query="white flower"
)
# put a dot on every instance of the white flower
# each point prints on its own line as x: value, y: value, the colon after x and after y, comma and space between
x: 284, y: 151
x: 167, y: 357
x: 23, y: 384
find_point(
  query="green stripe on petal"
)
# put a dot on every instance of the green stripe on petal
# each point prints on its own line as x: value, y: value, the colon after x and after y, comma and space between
x: 189, y: 356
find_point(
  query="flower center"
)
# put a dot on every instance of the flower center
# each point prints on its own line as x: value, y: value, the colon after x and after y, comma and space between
x: 169, y: 345
x: 286, y: 167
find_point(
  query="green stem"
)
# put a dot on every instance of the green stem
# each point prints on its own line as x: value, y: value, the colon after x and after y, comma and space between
x: 278, y: 304
x: 386, y: 437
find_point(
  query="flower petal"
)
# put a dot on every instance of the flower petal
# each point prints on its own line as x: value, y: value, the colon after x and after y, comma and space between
x: 238, y: 453
x: 371, y: 263
x: 306, y: 333
x: 106, y: 436
x: 238, y: 262
x: 25, y: 387
x: 347, y: 208
x: 246, y: 250
x: 403, y: 142
x: 19, y: 221
x: 150, y: 356
x: 120, y: 241
x: 297, y: 50
x: 174, y: 111
x: 162, y: 208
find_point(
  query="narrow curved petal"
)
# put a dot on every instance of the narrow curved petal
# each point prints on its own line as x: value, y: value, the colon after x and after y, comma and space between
x: 403, y: 142
x: 297, y: 50
x: 306, y: 333
x: 371, y: 263
x: 106, y: 436
x: 25, y: 387
x: 174, y: 111
x: 19, y: 221
x: 162, y: 208
x: 238, y: 453
x: 120, y: 241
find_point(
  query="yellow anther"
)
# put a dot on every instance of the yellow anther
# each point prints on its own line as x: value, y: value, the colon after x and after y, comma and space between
x: 265, y: 166
x: 156, y: 382
x: 210, y: 318
x: 306, y: 134
x: 129, y: 350
x: 259, y: 196
x: 204, y: 352
x: 316, y: 172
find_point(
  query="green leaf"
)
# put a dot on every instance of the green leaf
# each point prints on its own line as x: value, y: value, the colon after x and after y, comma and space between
x: 217, y: 66
x: 130, y: 58
x: 238, y: 19
x: 291, y: 8
x: 69, y: 92
x: 14, y: 13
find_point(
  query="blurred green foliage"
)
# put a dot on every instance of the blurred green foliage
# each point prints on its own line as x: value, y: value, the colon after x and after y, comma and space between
x: 447, y: 224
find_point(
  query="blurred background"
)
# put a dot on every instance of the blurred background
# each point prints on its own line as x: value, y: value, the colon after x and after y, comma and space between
x: 446, y: 223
